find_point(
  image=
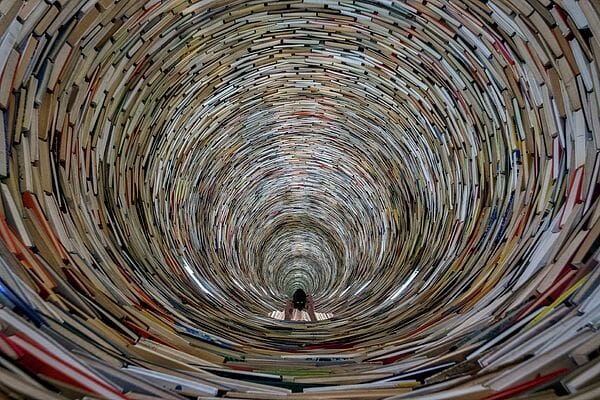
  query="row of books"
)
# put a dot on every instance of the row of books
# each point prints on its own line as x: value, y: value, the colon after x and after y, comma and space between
x: 171, y: 171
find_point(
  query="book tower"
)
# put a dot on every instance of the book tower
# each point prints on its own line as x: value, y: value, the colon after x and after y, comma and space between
x: 173, y: 171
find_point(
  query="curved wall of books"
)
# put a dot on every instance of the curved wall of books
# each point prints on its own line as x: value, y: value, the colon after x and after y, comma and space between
x: 173, y: 170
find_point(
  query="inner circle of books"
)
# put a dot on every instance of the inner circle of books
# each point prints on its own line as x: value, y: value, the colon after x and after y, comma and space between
x: 318, y: 199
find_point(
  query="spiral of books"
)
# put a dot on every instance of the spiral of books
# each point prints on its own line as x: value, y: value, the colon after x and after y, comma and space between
x: 171, y: 171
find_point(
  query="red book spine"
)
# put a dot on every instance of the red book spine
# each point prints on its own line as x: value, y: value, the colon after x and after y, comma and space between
x: 525, y: 386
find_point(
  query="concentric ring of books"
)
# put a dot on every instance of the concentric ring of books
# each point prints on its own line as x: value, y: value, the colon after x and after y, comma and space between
x: 171, y: 171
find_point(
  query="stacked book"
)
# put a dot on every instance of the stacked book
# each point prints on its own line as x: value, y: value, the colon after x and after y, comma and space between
x: 171, y: 171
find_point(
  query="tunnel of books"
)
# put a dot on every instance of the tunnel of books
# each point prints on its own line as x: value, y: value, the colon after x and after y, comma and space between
x: 172, y: 170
